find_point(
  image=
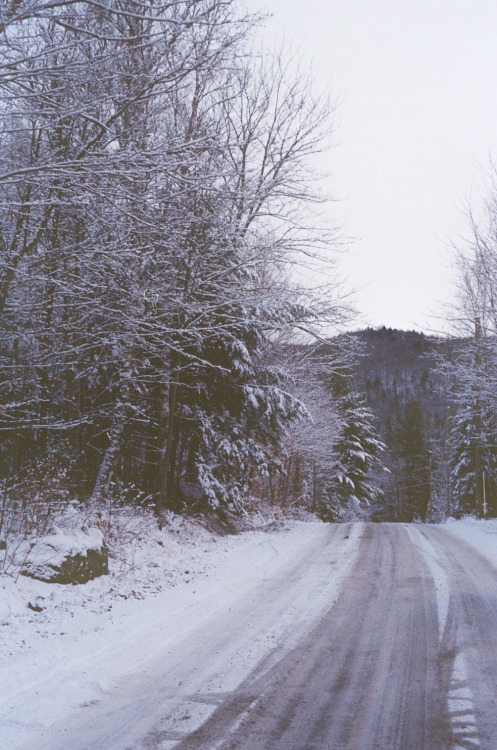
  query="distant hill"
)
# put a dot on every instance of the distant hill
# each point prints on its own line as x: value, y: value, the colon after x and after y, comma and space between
x: 397, y: 367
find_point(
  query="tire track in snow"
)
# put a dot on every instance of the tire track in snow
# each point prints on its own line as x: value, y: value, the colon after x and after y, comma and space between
x: 460, y: 698
x: 469, y: 644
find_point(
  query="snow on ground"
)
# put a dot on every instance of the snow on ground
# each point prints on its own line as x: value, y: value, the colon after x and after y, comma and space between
x: 162, y: 584
x: 479, y: 533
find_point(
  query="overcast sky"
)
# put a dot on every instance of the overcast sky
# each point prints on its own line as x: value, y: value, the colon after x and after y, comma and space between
x: 417, y: 84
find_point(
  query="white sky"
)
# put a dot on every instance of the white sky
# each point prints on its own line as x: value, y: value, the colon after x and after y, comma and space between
x: 417, y: 84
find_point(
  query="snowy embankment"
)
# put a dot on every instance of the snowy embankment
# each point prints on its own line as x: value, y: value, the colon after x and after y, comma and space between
x: 480, y: 534
x: 160, y: 591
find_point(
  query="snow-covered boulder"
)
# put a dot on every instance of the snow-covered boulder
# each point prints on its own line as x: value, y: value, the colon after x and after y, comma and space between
x: 63, y: 556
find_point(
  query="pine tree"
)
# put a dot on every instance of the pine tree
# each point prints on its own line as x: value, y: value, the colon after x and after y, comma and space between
x: 472, y: 435
x: 358, y: 450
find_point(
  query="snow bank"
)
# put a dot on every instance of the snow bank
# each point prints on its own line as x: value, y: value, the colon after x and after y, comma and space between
x: 481, y: 534
x: 63, y: 647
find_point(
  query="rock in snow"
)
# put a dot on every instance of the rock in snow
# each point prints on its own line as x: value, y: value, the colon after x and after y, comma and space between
x: 68, y: 557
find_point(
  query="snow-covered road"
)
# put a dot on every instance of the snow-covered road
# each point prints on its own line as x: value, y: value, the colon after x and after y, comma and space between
x: 119, y: 678
x: 324, y: 637
x: 406, y: 659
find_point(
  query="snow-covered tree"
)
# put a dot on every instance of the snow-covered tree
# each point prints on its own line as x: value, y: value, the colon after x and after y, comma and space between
x: 310, y: 443
x: 472, y: 439
x: 473, y: 372
x: 358, y: 452
x: 154, y: 175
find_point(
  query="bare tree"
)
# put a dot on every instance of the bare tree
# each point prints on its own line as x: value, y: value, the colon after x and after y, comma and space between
x: 155, y: 184
x: 474, y: 384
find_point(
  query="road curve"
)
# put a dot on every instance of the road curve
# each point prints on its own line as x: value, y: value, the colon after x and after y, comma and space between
x: 405, y: 658
x: 366, y: 677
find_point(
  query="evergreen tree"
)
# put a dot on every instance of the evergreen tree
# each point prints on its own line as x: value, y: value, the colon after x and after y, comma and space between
x: 358, y: 449
x: 473, y: 437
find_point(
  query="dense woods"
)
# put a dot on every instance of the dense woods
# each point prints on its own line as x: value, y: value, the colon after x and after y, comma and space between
x: 407, y: 388
x: 434, y: 408
x: 156, y: 191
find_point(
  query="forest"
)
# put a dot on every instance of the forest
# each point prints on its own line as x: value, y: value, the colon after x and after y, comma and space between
x: 161, y: 344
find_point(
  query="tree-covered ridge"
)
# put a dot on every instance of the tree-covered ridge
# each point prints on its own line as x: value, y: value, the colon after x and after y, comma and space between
x: 435, y: 415
x: 408, y: 390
